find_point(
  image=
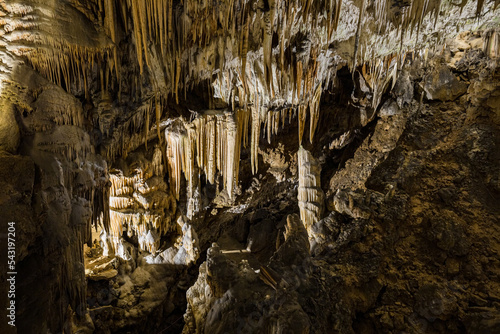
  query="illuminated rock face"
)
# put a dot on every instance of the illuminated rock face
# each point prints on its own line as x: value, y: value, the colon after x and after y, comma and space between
x: 141, y: 205
x: 251, y: 166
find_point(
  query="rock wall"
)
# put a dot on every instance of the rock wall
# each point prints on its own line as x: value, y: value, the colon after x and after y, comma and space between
x: 56, y: 189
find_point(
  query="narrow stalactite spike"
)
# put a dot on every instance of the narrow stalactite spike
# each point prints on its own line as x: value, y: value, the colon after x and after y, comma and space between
x: 137, y: 30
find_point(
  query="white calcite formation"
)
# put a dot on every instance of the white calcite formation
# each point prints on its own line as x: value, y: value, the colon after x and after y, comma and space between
x: 211, y: 143
x: 185, y: 251
x: 140, y: 205
x: 310, y: 195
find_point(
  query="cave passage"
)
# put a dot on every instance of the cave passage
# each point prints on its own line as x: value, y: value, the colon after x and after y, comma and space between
x: 249, y: 166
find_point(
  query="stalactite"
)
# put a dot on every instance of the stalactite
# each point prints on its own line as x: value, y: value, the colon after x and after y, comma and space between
x: 211, y: 146
x: 177, y: 77
x: 254, y: 146
x: 267, y: 45
x: 174, y: 158
x: 298, y: 81
x: 169, y: 21
x: 137, y: 31
x: 268, y: 125
x: 146, y: 129
x: 336, y: 16
x: 111, y: 26
x: 492, y: 44
x: 314, y: 106
x: 358, y: 32
x: 144, y: 19
x: 189, y: 165
x: 302, y: 121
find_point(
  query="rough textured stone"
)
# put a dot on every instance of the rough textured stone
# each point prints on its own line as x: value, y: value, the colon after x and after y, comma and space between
x: 443, y: 85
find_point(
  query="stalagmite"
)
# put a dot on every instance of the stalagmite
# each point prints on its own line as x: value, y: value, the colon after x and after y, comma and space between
x: 139, y: 205
x: 242, y: 119
x: 310, y: 195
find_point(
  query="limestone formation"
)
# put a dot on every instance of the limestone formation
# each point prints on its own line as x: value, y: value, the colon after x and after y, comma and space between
x: 250, y: 166
x: 310, y: 195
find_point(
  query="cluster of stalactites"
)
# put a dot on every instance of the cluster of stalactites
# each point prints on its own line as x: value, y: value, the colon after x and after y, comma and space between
x: 137, y: 130
x: 150, y: 21
x: 180, y: 28
x: 27, y: 29
x: 68, y: 115
x: 378, y: 73
x: 196, y: 38
x: 298, y: 94
x: 412, y: 15
x: 72, y: 65
x: 298, y: 87
x: 220, y: 30
x: 72, y: 151
x: 405, y: 21
x: 210, y: 143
